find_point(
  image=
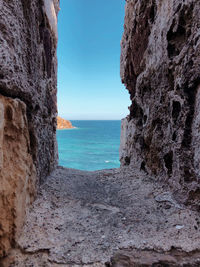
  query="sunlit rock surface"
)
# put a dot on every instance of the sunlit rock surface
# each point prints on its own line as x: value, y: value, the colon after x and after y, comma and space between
x: 160, y: 66
x: 63, y: 124
x: 17, y: 171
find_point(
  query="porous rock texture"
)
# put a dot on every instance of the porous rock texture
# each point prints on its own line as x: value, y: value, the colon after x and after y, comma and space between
x: 83, y: 218
x: 160, y: 67
x: 28, y: 67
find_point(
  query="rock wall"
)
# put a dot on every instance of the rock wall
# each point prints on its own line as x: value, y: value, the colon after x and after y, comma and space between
x: 28, y: 110
x: 160, y: 67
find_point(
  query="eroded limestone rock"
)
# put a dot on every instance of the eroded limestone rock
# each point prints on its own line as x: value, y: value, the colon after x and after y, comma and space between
x: 28, y: 71
x: 28, y: 108
x: 160, y: 67
x: 83, y: 218
x: 150, y: 258
x: 17, y: 171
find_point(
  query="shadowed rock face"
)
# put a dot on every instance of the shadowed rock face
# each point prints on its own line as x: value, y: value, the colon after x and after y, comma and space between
x: 28, y: 108
x: 28, y: 68
x: 160, y: 67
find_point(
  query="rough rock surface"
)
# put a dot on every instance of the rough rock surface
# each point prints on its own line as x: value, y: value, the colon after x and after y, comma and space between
x: 160, y: 66
x: 17, y: 171
x: 63, y: 124
x: 28, y: 69
x: 82, y: 218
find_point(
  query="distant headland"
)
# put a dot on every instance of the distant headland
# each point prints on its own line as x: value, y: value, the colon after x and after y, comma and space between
x: 63, y: 124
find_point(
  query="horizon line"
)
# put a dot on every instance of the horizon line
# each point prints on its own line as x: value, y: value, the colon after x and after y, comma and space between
x: 93, y: 119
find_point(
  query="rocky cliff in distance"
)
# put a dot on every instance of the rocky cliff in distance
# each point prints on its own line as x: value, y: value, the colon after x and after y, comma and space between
x: 28, y: 108
x: 160, y: 67
x: 63, y: 124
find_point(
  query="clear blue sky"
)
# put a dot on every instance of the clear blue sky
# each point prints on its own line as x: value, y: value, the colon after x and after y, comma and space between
x: 89, y: 85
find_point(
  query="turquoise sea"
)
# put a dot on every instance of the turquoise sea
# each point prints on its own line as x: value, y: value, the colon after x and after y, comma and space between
x: 92, y: 145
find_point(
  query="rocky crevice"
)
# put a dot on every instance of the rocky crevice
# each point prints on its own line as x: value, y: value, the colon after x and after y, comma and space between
x: 138, y: 211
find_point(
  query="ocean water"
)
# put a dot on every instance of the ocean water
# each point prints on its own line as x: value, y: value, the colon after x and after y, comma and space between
x: 92, y: 145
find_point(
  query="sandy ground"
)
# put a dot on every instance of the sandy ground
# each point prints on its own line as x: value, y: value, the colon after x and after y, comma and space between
x: 83, y: 218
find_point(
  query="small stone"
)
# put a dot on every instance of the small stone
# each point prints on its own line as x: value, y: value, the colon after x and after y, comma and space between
x: 179, y: 227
